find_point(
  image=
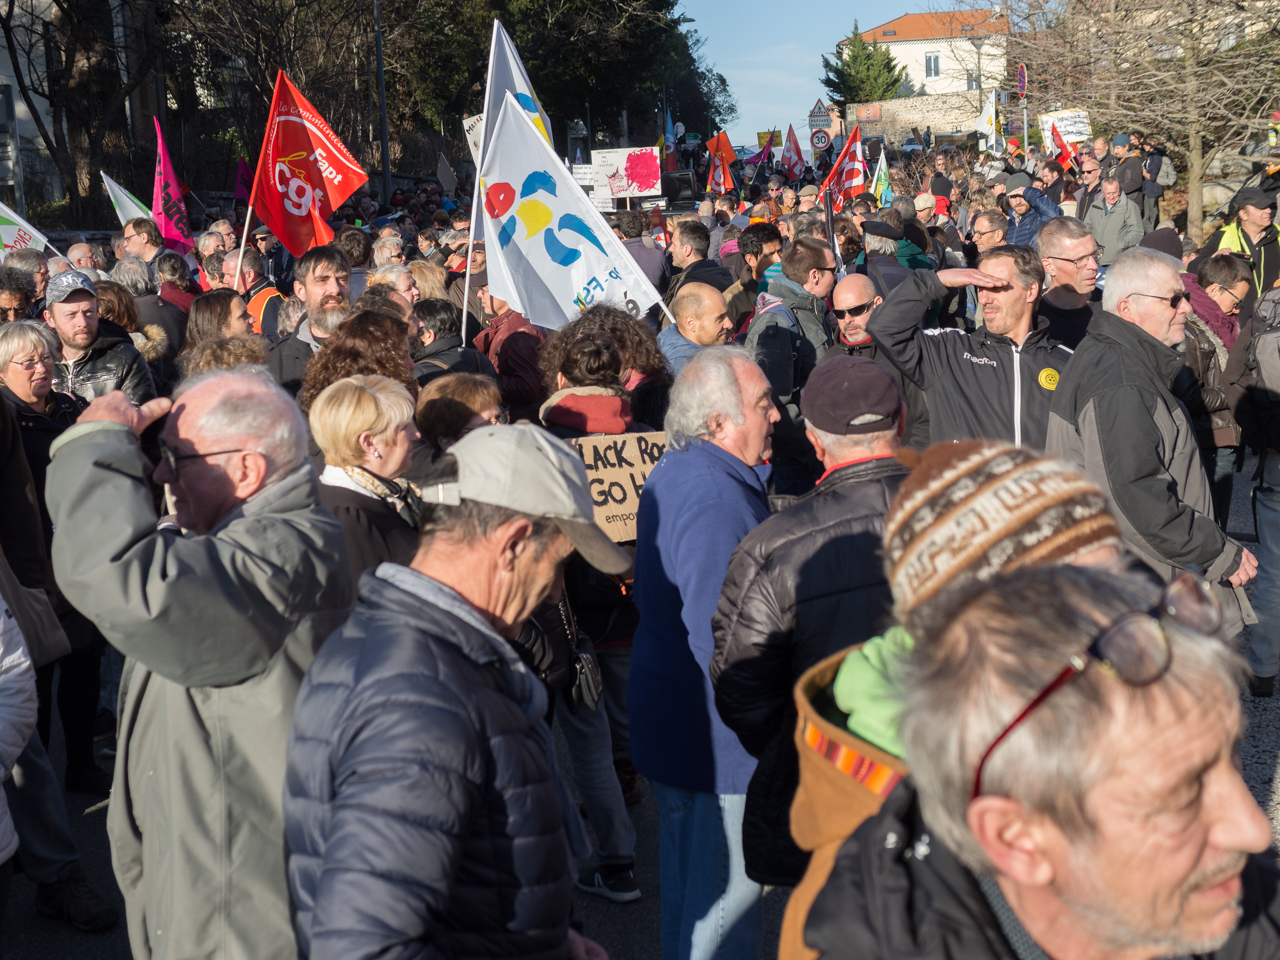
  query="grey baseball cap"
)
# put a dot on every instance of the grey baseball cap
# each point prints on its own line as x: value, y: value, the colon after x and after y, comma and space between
x: 64, y: 284
x: 522, y: 467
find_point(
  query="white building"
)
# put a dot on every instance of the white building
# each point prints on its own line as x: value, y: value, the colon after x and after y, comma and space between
x: 946, y: 52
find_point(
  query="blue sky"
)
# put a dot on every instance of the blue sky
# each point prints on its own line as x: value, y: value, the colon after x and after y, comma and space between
x: 771, y: 54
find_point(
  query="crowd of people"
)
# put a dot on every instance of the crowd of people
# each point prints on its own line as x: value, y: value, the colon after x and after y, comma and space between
x: 931, y: 614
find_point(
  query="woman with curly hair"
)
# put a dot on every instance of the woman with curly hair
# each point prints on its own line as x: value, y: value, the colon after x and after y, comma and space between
x: 368, y: 342
x: 589, y: 397
x: 429, y: 278
x: 645, y: 376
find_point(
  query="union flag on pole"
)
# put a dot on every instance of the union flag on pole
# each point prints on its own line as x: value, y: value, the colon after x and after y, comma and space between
x: 849, y: 175
x: 167, y: 208
x: 304, y: 172
x: 721, y: 154
x: 792, y: 158
x: 1066, y: 153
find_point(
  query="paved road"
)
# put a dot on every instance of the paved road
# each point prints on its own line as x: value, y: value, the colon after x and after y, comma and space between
x: 627, y: 931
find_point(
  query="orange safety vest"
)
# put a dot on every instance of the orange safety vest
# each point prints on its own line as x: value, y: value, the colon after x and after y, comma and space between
x: 258, y: 304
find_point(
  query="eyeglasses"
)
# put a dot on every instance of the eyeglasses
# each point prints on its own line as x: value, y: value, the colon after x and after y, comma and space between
x: 1237, y: 300
x: 1079, y: 262
x: 172, y: 459
x: 45, y: 361
x: 986, y: 233
x: 1173, y: 300
x: 129, y: 236
x: 857, y: 311
x: 1135, y: 648
x: 1090, y: 169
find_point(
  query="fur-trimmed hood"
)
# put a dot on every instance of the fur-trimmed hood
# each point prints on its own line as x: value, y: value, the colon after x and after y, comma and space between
x: 151, y: 342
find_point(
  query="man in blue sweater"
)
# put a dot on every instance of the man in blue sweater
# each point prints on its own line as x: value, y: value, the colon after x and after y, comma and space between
x: 701, y: 321
x: 705, y: 494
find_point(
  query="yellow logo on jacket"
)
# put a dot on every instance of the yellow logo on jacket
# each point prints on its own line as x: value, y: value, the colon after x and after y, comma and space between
x: 1049, y: 378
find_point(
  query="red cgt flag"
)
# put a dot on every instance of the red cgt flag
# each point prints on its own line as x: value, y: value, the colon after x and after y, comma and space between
x: 304, y: 172
x: 719, y: 179
x: 1066, y: 154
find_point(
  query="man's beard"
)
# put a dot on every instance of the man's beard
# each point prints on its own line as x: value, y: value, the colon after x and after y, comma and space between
x: 328, y: 314
x: 417, y: 349
x: 78, y: 341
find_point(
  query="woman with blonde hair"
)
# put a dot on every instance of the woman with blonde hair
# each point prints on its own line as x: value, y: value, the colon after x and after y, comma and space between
x: 365, y: 427
x: 429, y: 278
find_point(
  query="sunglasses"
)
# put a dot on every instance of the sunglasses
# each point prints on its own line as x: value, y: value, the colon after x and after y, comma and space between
x: 857, y: 311
x: 1135, y: 648
x: 1173, y: 300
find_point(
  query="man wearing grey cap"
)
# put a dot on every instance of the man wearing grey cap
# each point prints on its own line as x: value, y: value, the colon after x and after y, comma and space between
x: 424, y: 814
x: 93, y: 362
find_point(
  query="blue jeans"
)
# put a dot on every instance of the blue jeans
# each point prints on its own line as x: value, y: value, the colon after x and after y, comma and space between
x: 1219, y: 468
x: 1263, y: 651
x: 710, y: 909
x: 39, y: 814
x: 615, y: 667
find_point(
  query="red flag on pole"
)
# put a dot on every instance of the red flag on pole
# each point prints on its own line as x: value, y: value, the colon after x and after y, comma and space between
x: 1066, y: 152
x: 849, y: 173
x: 304, y: 172
x: 167, y: 208
x: 719, y: 179
x: 792, y: 156
x: 658, y: 222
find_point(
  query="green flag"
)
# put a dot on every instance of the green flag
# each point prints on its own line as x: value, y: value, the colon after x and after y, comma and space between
x: 127, y: 205
x: 16, y: 233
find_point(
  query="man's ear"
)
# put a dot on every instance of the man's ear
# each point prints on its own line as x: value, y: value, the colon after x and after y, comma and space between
x: 1020, y: 844
x: 513, y: 538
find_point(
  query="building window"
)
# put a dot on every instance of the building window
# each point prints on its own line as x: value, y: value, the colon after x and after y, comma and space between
x: 888, y: 33
x: 931, y: 65
x: 973, y: 81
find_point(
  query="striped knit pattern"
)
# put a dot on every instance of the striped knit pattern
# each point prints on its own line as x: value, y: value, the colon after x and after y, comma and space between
x: 970, y: 510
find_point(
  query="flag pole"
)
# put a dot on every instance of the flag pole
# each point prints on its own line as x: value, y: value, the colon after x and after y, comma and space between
x: 244, y: 235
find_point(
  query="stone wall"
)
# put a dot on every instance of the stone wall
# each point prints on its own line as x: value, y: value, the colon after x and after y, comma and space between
x: 943, y: 112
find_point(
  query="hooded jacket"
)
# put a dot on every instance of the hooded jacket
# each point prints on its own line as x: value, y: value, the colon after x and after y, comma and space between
x: 218, y: 630
x: 288, y: 357
x: 580, y: 411
x: 897, y: 893
x: 1115, y: 416
x: 979, y: 385
x: 448, y: 355
x: 110, y: 363
x: 511, y: 343
x: 802, y: 585
x: 1023, y: 230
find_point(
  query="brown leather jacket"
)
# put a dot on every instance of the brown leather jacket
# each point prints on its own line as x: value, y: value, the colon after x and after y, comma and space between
x: 1207, y: 361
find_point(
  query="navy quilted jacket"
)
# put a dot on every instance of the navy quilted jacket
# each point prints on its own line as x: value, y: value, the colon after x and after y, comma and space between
x: 420, y: 814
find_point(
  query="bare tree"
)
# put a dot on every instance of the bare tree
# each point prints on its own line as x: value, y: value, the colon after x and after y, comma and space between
x: 1201, y: 75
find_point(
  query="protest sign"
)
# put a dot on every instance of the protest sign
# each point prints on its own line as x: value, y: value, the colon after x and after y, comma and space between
x: 617, y: 467
x: 1072, y: 124
x: 633, y: 172
x: 473, y: 131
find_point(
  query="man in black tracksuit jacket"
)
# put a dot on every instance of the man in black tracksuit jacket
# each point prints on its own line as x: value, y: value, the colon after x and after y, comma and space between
x: 994, y: 383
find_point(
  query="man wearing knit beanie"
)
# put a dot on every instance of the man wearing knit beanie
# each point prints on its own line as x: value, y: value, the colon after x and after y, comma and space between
x: 967, y: 511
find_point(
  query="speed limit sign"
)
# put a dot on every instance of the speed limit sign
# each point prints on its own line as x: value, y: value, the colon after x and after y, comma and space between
x: 820, y: 139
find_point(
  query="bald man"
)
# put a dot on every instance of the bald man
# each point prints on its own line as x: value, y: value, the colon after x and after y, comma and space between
x: 82, y: 257
x: 853, y: 301
x: 701, y: 320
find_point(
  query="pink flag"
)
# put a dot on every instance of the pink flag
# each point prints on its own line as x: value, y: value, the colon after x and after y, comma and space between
x: 167, y: 208
x: 244, y: 180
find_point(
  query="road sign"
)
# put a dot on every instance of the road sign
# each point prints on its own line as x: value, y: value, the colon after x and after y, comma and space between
x: 819, y: 118
x: 692, y: 137
x: 1022, y: 80
x: 819, y: 140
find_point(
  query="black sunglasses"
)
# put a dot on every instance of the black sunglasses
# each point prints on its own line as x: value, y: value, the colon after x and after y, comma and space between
x: 857, y: 311
x: 1173, y: 300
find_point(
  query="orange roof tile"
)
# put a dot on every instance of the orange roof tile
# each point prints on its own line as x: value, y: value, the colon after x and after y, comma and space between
x: 928, y: 26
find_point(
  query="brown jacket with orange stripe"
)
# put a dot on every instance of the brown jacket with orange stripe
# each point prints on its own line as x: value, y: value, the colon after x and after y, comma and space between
x: 843, y: 781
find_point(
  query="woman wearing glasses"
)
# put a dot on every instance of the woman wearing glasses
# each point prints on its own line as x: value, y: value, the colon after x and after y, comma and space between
x: 28, y: 352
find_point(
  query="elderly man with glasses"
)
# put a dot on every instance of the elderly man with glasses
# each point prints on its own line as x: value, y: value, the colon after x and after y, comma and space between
x: 1113, y: 414
x: 1089, y: 803
x: 219, y: 625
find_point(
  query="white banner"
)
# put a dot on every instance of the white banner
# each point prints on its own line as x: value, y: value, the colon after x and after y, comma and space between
x: 550, y: 254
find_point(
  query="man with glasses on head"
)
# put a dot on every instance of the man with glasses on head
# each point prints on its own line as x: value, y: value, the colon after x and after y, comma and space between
x: 219, y: 624
x: 1070, y: 256
x: 853, y: 301
x: 1113, y: 414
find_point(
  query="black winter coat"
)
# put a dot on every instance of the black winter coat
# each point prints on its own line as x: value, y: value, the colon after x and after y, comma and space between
x: 110, y: 363
x: 803, y: 585
x: 421, y: 817
x: 288, y: 357
x: 39, y: 429
x: 448, y: 355
x: 896, y: 893
x: 375, y: 532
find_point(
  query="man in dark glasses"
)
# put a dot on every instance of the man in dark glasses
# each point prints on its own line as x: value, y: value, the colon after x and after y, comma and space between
x: 1089, y: 803
x: 1114, y: 416
x: 853, y: 301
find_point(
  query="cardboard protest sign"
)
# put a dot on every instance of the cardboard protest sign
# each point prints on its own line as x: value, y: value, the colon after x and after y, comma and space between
x: 1073, y: 125
x: 617, y: 467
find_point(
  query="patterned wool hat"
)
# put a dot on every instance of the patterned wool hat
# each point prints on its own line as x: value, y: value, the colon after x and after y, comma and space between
x: 971, y: 510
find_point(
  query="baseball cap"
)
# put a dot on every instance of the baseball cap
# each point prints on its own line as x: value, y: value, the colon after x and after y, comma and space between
x: 1000, y: 177
x: 809, y: 191
x: 850, y: 395
x: 1120, y: 140
x: 524, y: 468
x: 64, y: 284
x: 1252, y: 197
x: 479, y: 278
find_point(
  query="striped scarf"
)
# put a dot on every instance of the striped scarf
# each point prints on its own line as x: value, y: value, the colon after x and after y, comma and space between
x: 403, y: 497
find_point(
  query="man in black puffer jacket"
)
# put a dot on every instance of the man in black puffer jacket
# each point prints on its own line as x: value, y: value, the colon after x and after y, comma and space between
x: 424, y: 814
x: 803, y: 585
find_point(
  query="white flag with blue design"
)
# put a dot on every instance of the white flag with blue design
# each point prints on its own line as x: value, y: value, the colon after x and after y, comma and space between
x: 550, y: 253
x: 507, y: 75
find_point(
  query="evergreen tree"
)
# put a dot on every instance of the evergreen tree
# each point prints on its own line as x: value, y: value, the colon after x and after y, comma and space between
x: 867, y: 72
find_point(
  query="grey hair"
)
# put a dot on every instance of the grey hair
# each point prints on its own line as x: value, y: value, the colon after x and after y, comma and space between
x: 707, y: 387
x: 131, y: 273
x: 27, y: 259
x: 384, y: 248
x: 877, y: 246
x: 60, y: 265
x: 986, y: 649
x: 255, y: 410
x: 388, y: 273
x: 206, y: 240
x: 904, y: 205
x: 1134, y: 271
x: 1059, y: 230
x: 219, y: 223
x: 849, y: 443
x: 23, y: 335
x: 291, y: 312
